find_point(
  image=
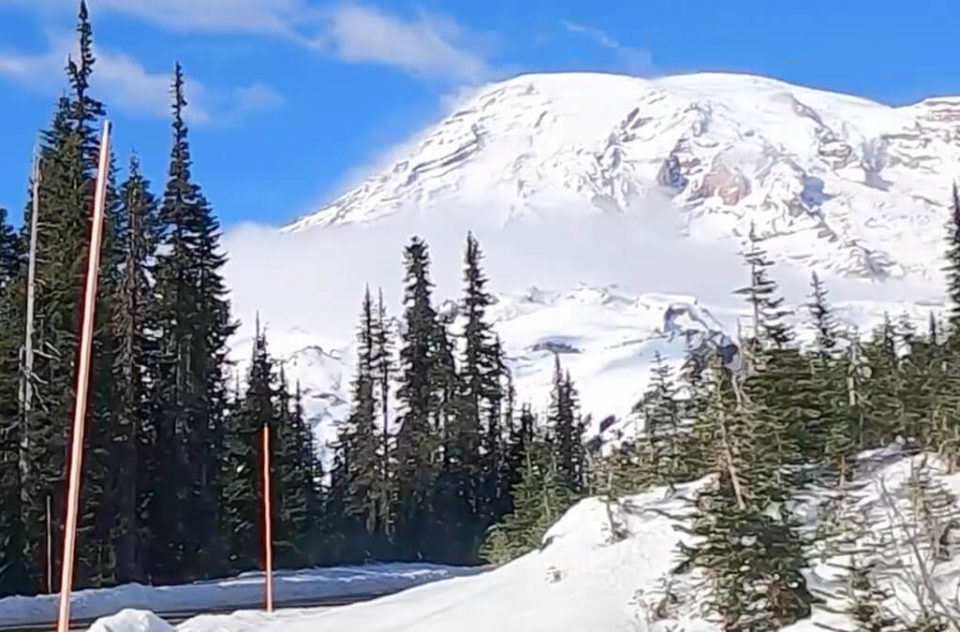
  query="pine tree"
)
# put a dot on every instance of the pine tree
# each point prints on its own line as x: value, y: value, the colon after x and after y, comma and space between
x: 833, y: 436
x: 540, y: 497
x: 826, y: 328
x: 417, y: 444
x: 240, y: 476
x: 778, y: 383
x: 13, y: 567
x: 135, y: 371
x: 316, y: 520
x: 476, y: 441
x: 360, y: 441
x: 382, y: 365
x: 661, y: 412
x: 749, y: 550
x: 568, y: 430
x: 194, y: 325
x: 294, y: 468
x: 68, y: 171
x: 952, y: 268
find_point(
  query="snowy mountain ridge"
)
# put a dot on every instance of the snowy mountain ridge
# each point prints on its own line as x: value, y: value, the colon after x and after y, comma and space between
x: 839, y: 181
x: 627, y: 200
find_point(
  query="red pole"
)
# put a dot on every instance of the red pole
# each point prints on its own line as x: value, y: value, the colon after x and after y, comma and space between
x: 83, y: 382
x: 267, y: 518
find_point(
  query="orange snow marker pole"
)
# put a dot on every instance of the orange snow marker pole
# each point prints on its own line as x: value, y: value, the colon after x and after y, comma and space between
x: 83, y: 381
x: 267, y: 518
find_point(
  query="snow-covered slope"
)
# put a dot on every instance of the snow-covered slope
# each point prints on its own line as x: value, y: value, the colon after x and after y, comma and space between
x: 243, y: 591
x: 627, y: 199
x: 611, y: 567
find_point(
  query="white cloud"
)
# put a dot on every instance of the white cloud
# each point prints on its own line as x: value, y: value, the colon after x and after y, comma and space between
x: 124, y: 83
x: 276, y: 17
x: 257, y: 96
x: 427, y: 45
x: 635, y: 60
x: 567, y: 246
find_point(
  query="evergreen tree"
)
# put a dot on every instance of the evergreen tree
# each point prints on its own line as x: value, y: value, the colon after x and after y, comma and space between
x: 316, y: 519
x: 476, y: 440
x: 194, y: 325
x: 241, y: 481
x: 135, y: 371
x: 778, y: 382
x: 13, y: 567
x: 360, y: 442
x: 568, y: 430
x: 293, y: 468
x: 540, y: 497
x: 68, y: 172
x: 417, y: 443
x: 382, y: 365
x: 660, y: 409
x: 833, y: 435
x: 952, y: 268
x: 826, y: 328
x: 748, y: 548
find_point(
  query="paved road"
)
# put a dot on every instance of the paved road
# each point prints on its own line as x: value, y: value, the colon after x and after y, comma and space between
x: 79, y: 625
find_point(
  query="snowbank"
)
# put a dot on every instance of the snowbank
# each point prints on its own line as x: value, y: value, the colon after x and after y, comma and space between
x: 242, y: 591
x: 611, y: 568
x: 132, y: 621
x: 585, y: 577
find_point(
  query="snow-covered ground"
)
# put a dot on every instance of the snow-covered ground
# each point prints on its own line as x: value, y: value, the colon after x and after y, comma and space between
x: 246, y: 590
x: 604, y: 568
x: 618, y: 197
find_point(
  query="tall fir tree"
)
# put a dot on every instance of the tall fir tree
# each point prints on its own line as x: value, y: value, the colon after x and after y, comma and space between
x: 194, y: 325
x: 418, y: 438
x: 661, y: 412
x: 13, y: 566
x: 952, y: 268
x: 567, y: 428
x: 383, y: 369
x: 241, y: 484
x: 360, y: 441
x: 135, y: 372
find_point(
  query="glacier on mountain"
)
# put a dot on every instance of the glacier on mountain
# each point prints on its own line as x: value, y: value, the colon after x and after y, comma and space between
x: 628, y: 199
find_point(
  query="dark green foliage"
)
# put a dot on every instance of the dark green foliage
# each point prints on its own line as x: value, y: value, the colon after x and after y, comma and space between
x: 13, y: 566
x: 194, y: 325
x: 540, y: 497
x: 360, y: 480
x: 567, y: 432
x: 663, y: 435
x: 418, y: 439
x: 135, y: 371
x: 752, y: 560
x: 952, y: 268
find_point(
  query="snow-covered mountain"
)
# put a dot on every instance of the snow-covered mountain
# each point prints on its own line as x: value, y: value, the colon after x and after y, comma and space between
x: 628, y: 199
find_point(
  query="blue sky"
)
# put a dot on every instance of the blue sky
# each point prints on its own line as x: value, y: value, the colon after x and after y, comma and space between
x: 292, y: 99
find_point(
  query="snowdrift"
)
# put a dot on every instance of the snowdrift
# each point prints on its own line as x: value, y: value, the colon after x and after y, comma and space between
x: 612, y: 567
x: 243, y: 590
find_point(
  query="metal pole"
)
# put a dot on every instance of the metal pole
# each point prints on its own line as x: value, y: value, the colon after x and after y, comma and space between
x: 83, y: 381
x: 267, y: 518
